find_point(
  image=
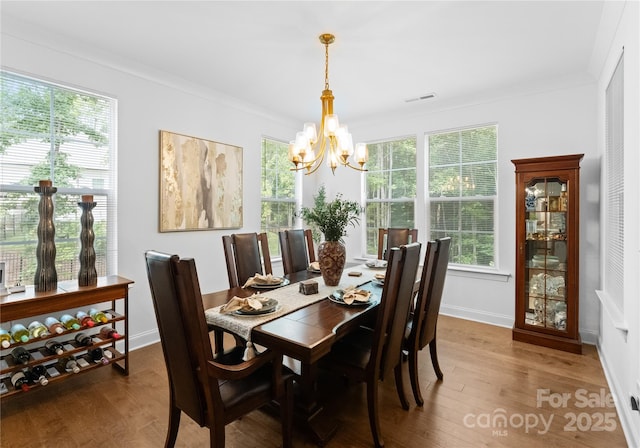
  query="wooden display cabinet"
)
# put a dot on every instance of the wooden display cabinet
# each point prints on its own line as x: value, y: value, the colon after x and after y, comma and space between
x: 68, y: 296
x: 547, y: 251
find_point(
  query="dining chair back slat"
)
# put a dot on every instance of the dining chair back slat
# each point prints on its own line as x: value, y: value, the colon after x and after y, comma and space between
x: 297, y: 249
x: 394, y: 237
x: 246, y: 255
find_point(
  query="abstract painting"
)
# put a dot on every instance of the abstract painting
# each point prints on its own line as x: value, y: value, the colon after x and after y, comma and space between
x: 200, y: 184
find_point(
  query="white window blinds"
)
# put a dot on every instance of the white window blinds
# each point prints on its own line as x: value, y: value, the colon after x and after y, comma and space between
x: 614, y: 224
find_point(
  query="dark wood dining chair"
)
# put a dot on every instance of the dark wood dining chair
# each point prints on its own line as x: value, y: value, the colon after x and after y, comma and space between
x: 421, y: 327
x: 213, y: 394
x: 297, y: 249
x: 370, y: 354
x: 394, y: 237
x: 246, y: 254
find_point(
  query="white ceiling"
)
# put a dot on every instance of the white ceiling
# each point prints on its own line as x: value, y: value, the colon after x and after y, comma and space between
x: 268, y: 54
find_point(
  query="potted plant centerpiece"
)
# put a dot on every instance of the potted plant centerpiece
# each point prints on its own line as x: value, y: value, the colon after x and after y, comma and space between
x: 331, y: 218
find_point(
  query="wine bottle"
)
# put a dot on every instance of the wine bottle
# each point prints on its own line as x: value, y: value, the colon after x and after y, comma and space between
x: 19, y: 380
x: 37, y: 330
x: 70, y: 322
x: 98, y: 316
x: 21, y: 355
x: 108, y: 333
x: 5, y: 338
x: 97, y: 355
x: 54, y: 347
x: 38, y: 374
x: 69, y: 364
x: 19, y: 333
x: 83, y: 339
x: 54, y: 325
x: 85, y: 320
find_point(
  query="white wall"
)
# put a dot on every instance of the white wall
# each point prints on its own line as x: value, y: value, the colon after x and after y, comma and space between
x: 620, y: 349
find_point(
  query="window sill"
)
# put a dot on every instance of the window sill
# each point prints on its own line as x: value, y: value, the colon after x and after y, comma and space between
x: 470, y: 272
x: 615, y: 313
x: 484, y: 274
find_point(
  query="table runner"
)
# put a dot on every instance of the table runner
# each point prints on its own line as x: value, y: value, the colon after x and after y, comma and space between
x: 289, y: 300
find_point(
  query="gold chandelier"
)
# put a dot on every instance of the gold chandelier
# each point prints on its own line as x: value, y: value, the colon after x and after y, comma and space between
x: 307, y: 152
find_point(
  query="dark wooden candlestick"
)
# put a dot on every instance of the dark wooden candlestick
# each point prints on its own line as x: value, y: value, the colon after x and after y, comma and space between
x: 46, y: 278
x: 87, y: 275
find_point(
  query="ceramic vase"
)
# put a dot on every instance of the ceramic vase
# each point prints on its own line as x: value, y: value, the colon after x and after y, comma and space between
x: 87, y: 275
x: 332, y: 258
x: 46, y: 277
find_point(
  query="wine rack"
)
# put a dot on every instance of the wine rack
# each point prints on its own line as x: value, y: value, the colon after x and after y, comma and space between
x: 68, y: 296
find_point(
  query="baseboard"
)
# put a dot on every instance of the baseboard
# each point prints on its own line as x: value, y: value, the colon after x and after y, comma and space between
x: 499, y: 320
x: 143, y: 339
x: 621, y: 400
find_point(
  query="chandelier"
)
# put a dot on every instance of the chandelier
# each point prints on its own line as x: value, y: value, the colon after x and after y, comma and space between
x: 335, y: 142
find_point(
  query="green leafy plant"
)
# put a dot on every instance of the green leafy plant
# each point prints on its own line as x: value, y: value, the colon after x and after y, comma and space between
x: 331, y: 218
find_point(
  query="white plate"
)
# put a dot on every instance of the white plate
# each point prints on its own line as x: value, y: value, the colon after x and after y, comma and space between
x: 336, y: 296
x: 267, y: 307
x: 273, y: 310
x: 377, y: 264
x: 284, y: 282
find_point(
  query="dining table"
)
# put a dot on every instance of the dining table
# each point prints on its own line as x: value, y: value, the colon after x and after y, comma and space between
x: 303, y: 329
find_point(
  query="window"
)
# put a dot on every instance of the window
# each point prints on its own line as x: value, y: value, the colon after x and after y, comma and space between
x: 390, y: 188
x: 279, y: 200
x: 462, y: 192
x: 614, y: 173
x: 52, y: 132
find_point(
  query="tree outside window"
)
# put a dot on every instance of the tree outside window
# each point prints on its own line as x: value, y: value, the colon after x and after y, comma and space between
x: 390, y: 184
x: 278, y: 192
x: 462, y: 192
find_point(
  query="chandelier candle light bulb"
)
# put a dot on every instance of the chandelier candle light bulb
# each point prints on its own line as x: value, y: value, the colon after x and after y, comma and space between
x: 335, y: 141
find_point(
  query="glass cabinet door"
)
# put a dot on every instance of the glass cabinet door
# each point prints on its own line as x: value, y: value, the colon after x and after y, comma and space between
x: 545, y: 265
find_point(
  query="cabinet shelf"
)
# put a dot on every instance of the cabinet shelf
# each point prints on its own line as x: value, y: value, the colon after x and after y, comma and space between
x: 68, y: 295
x: 547, y: 242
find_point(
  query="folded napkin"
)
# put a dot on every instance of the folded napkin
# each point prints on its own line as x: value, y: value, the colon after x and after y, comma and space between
x: 260, y: 279
x: 314, y: 266
x: 254, y: 302
x: 358, y: 295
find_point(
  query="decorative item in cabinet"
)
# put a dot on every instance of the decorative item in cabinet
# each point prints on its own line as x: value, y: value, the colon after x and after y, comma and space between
x: 68, y: 295
x: 547, y: 251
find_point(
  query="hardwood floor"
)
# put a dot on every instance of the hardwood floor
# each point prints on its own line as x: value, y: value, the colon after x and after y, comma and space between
x: 486, y: 375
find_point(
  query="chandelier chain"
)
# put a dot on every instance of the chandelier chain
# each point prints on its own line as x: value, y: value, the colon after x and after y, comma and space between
x: 326, y: 66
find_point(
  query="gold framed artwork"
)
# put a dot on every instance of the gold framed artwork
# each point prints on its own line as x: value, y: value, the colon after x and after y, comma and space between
x: 200, y: 184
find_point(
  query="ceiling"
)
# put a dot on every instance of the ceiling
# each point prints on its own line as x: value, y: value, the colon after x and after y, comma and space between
x: 267, y: 53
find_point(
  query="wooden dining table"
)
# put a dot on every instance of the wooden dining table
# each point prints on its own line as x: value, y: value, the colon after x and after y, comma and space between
x: 305, y: 336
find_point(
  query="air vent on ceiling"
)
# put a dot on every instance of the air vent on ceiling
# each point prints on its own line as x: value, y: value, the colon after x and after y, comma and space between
x: 426, y: 96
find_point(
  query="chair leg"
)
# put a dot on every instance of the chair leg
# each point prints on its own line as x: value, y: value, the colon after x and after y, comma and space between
x: 413, y: 376
x: 286, y: 414
x: 174, y: 425
x: 434, y: 359
x: 374, y: 420
x: 216, y: 435
x: 400, y: 386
